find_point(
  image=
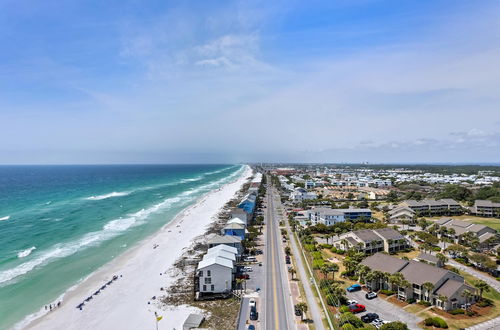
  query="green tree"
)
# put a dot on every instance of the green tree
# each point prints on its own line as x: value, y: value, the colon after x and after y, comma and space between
x: 292, y: 272
x: 482, y: 286
x: 302, y: 307
x: 397, y: 325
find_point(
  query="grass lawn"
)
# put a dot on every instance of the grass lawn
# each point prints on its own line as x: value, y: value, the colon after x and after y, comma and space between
x: 490, y: 222
x: 410, y: 255
x: 415, y: 308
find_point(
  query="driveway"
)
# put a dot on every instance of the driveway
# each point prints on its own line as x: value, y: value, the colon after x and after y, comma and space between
x: 385, y: 309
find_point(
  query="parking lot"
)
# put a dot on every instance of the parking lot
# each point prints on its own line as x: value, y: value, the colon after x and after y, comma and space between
x: 385, y: 309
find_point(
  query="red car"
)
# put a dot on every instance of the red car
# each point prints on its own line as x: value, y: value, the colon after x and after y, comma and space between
x: 243, y: 276
x: 357, y: 308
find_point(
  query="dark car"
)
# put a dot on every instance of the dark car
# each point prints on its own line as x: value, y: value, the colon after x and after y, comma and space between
x: 357, y: 308
x: 254, y: 315
x: 369, y: 317
x: 298, y: 312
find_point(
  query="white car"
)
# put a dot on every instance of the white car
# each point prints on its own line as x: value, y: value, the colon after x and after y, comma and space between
x: 378, y: 323
x: 351, y: 302
x: 252, y: 303
x: 248, y: 269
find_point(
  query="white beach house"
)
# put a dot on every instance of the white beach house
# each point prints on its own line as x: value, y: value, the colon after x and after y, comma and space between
x: 215, y: 274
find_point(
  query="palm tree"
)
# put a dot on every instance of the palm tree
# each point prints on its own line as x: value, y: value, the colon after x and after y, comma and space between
x: 443, y: 299
x: 467, y: 295
x: 482, y: 286
x: 349, y: 264
x: 324, y: 270
x: 441, y: 257
x: 428, y: 286
x: 292, y: 271
x: 395, y: 279
x: 377, y: 277
x: 239, y: 284
x: 302, y: 307
x: 362, y: 270
x: 333, y: 268
x: 344, y: 243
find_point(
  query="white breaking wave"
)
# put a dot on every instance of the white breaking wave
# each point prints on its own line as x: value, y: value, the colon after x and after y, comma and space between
x: 5, y: 218
x: 113, y: 194
x: 198, y: 178
x: 26, y: 252
x: 110, y: 230
x: 61, y: 250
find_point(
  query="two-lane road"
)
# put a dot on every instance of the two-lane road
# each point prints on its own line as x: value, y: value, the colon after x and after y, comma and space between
x: 278, y: 311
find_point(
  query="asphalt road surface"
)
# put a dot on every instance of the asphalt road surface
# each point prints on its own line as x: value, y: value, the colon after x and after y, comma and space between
x: 278, y: 312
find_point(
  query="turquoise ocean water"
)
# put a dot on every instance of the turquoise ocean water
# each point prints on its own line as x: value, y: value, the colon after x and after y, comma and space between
x: 58, y: 224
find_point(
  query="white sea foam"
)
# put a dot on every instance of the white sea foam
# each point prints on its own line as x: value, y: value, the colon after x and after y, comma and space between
x: 110, y: 230
x: 106, y: 196
x: 26, y: 252
x: 198, y: 178
x: 61, y: 250
x: 5, y: 218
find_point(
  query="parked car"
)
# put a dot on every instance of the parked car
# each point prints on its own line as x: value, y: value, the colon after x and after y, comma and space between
x: 243, y: 276
x: 351, y: 302
x: 253, y: 304
x: 371, y: 295
x: 250, y: 259
x: 254, y: 315
x: 298, y: 312
x: 248, y: 269
x: 251, y: 327
x: 357, y: 308
x: 354, y: 287
x: 369, y: 317
x: 378, y: 323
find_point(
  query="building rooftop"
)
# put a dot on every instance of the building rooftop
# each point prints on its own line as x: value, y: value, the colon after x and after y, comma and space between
x: 389, y: 233
x: 215, y: 260
x: 226, y: 239
x: 428, y: 257
x: 420, y: 273
x: 384, y: 263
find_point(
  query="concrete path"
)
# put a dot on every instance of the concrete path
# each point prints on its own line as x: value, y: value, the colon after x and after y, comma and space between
x: 491, y: 281
x: 488, y: 325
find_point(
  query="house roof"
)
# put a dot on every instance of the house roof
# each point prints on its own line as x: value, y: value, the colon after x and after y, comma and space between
x: 226, y: 239
x: 389, y: 233
x: 420, y: 273
x: 401, y: 209
x: 236, y: 220
x: 234, y: 226
x: 366, y: 235
x: 223, y: 247
x: 215, y: 260
x: 193, y: 321
x: 384, y: 263
x: 428, y: 257
x: 450, y: 287
x: 220, y: 253
x: 486, y: 236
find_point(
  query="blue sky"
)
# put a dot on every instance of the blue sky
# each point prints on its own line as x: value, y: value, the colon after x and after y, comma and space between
x: 235, y: 81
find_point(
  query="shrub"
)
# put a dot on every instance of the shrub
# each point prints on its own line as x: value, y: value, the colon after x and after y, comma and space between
x: 344, y: 309
x: 316, y: 255
x: 326, y: 246
x: 348, y: 326
x: 436, y: 322
x: 424, y: 303
x: 470, y: 313
x: 436, y: 248
x: 387, y: 292
x: 318, y: 263
x: 396, y: 325
x: 411, y: 300
x: 350, y: 318
x: 485, y: 303
x: 457, y: 311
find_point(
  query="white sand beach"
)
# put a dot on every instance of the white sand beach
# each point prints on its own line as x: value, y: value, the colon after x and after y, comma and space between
x: 124, y: 303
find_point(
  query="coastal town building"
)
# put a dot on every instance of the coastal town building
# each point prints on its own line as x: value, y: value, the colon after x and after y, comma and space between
x: 215, y: 275
x: 457, y: 228
x: 430, y: 259
x: 237, y: 212
x: 371, y: 241
x: 447, y: 286
x: 234, y: 229
x: 485, y: 208
x: 328, y: 216
x: 433, y: 207
x: 301, y: 194
x: 402, y: 214
x: 227, y: 240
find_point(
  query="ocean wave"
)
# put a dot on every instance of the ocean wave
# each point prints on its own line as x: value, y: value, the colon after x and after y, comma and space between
x: 26, y: 252
x: 106, y: 196
x: 62, y: 250
x: 110, y: 230
x: 198, y: 178
x: 5, y: 218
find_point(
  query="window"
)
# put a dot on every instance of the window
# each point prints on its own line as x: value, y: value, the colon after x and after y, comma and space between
x: 208, y: 280
x: 200, y: 273
x: 212, y: 287
x: 209, y: 273
x: 204, y: 288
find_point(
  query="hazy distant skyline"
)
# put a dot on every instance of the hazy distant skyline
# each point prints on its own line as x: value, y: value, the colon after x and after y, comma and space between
x: 248, y: 81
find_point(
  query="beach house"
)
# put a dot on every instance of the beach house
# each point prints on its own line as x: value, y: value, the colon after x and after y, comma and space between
x: 230, y: 240
x: 215, y: 275
x: 438, y: 286
x: 372, y: 240
x: 234, y: 229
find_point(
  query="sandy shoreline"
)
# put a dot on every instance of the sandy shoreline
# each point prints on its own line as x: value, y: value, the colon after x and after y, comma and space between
x: 124, y: 303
